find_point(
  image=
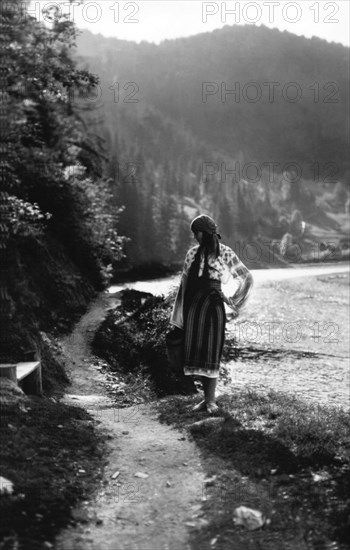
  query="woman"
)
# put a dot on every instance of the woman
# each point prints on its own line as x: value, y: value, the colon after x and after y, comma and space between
x: 199, y: 306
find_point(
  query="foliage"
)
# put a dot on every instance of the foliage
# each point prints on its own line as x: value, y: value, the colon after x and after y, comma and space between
x: 57, y: 165
x: 55, y: 201
x: 25, y: 218
x: 133, y: 343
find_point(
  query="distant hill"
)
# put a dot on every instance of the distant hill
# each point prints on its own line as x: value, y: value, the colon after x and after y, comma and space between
x: 174, y: 128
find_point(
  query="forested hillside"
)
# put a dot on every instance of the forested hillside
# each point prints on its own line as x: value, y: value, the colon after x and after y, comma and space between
x: 246, y: 122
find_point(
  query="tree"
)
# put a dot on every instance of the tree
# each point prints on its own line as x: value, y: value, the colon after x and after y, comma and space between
x: 340, y: 194
x: 183, y: 234
x: 286, y: 242
x: 51, y: 165
x: 296, y: 223
x: 347, y: 206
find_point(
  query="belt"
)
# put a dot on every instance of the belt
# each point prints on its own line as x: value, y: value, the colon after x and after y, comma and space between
x: 209, y: 283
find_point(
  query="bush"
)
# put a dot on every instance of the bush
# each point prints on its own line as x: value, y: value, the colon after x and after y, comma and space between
x: 136, y: 342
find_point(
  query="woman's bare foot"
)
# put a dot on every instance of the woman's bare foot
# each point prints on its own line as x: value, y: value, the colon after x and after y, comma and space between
x: 199, y: 407
x: 212, y: 407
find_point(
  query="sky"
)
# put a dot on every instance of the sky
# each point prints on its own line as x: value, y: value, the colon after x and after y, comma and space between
x: 158, y: 20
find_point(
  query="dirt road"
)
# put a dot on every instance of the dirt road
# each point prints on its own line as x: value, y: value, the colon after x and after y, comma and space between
x: 294, y: 337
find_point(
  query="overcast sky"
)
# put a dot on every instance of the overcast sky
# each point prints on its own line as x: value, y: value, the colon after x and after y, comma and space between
x: 157, y: 20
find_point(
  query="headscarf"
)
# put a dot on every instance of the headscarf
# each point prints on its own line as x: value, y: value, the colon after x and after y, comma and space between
x: 204, y: 223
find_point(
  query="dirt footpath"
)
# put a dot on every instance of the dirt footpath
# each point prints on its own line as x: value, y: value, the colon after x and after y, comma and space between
x: 146, y: 511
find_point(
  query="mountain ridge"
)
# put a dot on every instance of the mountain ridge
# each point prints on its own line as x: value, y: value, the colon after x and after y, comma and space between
x: 227, y: 26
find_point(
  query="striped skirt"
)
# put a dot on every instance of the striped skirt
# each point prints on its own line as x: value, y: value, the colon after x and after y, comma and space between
x: 204, y: 331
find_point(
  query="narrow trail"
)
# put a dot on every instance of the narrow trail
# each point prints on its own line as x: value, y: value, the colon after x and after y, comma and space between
x: 128, y: 512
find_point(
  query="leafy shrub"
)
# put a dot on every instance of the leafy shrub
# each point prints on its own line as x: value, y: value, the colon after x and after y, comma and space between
x: 136, y: 342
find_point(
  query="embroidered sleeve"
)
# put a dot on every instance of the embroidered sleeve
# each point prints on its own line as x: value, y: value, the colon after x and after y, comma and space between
x: 189, y: 259
x: 233, y: 263
x: 238, y: 270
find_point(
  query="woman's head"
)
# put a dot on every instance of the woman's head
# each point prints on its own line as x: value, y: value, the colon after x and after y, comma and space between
x: 204, y: 229
x: 203, y: 223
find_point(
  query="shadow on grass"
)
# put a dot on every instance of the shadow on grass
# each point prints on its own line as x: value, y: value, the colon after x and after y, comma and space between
x: 249, y: 451
x: 278, y: 455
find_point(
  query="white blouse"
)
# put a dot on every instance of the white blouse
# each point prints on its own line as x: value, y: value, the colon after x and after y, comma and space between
x: 227, y: 264
x: 222, y: 268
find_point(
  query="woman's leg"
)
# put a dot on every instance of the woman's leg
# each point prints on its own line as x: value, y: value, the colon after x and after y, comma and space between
x: 201, y: 406
x: 209, y: 387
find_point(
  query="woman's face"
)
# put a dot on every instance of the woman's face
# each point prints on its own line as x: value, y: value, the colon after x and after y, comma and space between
x: 198, y: 235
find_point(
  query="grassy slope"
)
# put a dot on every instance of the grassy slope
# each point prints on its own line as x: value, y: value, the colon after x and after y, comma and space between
x: 53, y: 456
x: 266, y: 453
x: 44, y: 445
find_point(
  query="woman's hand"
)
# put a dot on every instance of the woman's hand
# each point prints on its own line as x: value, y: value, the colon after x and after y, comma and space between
x: 233, y: 307
x: 224, y: 298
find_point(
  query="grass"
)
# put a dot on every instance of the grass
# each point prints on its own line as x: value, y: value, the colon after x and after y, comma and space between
x: 276, y: 454
x: 53, y: 455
